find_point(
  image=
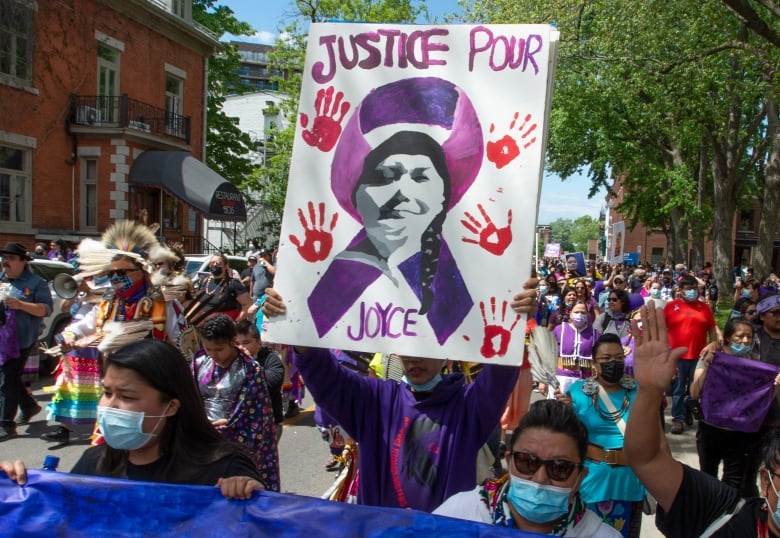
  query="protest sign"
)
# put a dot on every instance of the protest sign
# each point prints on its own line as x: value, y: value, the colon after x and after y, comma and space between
x: 413, y: 190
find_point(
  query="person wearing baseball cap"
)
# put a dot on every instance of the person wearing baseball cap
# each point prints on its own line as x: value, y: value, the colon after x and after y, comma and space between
x: 27, y: 301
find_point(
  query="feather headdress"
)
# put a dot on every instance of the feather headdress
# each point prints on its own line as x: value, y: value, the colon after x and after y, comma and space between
x: 130, y: 238
x: 93, y: 257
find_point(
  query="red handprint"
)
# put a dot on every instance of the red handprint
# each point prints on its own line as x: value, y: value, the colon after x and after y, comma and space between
x: 505, y: 149
x: 317, y: 241
x: 493, y: 239
x: 327, y: 123
x: 494, y: 330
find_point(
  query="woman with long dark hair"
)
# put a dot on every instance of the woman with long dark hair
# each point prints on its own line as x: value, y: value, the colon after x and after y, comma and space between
x: 155, y: 428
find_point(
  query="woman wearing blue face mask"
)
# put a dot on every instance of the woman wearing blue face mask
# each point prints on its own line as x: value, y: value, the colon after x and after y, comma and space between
x: 155, y: 428
x: 718, y: 373
x: 603, y: 403
x: 541, y: 492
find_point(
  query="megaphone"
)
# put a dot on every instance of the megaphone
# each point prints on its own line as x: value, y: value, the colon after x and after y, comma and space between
x: 65, y: 286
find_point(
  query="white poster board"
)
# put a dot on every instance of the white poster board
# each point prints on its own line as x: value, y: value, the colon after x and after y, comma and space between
x: 618, y: 242
x: 413, y: 191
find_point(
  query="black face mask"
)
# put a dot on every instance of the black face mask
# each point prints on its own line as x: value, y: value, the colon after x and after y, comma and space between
x: 216, y: 271
x: 612, y: 371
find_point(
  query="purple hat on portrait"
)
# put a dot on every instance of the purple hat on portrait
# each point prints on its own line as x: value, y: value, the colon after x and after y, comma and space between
x: 430, y: 103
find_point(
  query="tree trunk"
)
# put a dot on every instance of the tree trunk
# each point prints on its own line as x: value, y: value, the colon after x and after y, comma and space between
x: 678, y: 246
x: 771, y: 200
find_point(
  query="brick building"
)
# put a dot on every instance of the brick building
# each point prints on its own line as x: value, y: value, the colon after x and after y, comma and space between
x: 102, y: 111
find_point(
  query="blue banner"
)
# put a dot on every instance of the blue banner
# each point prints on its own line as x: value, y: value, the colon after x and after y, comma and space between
x: 61, y: 504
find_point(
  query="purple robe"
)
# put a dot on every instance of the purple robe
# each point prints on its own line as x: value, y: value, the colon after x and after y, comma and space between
x: 414, y: 454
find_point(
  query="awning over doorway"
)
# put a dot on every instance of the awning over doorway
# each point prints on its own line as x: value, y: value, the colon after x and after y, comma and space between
x: 191, y: 181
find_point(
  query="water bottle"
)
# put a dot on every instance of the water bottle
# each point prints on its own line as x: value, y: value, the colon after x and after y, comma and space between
x: 50, y: 463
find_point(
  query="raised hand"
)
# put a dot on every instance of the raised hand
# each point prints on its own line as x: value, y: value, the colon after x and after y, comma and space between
x: 495, y: 332
x: 326, y: 129
x: 655, y: 363
x: 504, y: 150
x: 317, y: 241
x: 492, y: 238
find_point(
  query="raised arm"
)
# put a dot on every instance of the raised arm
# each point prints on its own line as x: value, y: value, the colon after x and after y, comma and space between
x: 654, y: 366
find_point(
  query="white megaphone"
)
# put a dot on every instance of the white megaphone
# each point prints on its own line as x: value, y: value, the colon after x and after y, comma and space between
x: 65, y: 286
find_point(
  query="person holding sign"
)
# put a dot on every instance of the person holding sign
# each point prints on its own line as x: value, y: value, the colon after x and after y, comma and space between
x: 736, y: 395
x: 418, y: 438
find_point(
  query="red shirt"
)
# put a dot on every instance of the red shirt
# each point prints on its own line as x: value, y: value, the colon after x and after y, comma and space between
x: 688, y: 325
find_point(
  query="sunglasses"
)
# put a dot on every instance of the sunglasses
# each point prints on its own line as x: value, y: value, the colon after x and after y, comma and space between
x: 613, y: 300
x: 120, y: 272
x: 751, y: 312
x: 559, y: 470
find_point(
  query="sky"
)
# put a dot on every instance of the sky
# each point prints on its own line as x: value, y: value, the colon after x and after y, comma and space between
x: 560, y: 199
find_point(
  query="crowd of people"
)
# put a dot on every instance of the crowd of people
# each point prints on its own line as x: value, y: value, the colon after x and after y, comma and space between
x: 585, y: 459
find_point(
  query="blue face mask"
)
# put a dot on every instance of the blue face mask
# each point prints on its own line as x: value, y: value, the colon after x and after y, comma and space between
x: 123, y: 429
x: 425, y: 387
x: 100, y: 281
x: 655, y: 293
x: 542, y: 289
x: 691, y: 295
x: 776, y: 513
x: 121, y: 283
x: 539, y: 503
x: 740, y: 349
x: 745, y: 293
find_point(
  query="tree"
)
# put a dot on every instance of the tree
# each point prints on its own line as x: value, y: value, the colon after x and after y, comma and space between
x: 678, y: 107
x: 227, y: 147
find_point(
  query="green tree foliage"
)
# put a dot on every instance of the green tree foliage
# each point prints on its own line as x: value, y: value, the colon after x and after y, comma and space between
x: 670, y: 97
x: 227, y: 146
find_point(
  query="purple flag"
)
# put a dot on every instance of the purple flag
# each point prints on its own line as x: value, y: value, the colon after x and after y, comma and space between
x: 737, y: 392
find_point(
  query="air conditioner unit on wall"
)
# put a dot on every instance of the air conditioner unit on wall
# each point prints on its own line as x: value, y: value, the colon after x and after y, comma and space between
x: 87, y: 115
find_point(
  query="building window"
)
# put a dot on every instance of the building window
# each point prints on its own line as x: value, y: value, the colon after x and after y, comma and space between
x: 174, y: 92
x: 170, y: 213
x: 178, y: 7
x: 89, y: 186
x: 17, y: 38
x: 15, y: 184
x: 108, y: 84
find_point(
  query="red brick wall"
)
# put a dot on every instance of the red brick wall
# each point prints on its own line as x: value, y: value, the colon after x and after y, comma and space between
x: 65, y: 62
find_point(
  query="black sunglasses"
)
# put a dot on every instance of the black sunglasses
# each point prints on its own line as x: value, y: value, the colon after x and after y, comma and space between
x: 559, y: 470
x: 120, y: 272
x: 613, y: 299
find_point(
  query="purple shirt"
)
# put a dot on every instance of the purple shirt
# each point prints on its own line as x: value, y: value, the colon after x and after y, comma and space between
x: 413, y: 454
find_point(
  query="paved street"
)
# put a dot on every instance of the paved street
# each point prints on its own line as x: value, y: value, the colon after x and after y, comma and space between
x: 302, y: 452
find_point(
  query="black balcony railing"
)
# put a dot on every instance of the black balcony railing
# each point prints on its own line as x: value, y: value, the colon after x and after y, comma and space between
x: 123, y: 112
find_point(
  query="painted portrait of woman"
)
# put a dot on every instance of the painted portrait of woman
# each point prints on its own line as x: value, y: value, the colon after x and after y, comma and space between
x: 406, y: 156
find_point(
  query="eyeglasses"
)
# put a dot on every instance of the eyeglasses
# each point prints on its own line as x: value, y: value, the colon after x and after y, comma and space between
x: 527, y: 464
x: 610, y: 358
x: 751, y: 312
x: 613, y: 299
x: 215, y: 265
x: 120, y: 272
